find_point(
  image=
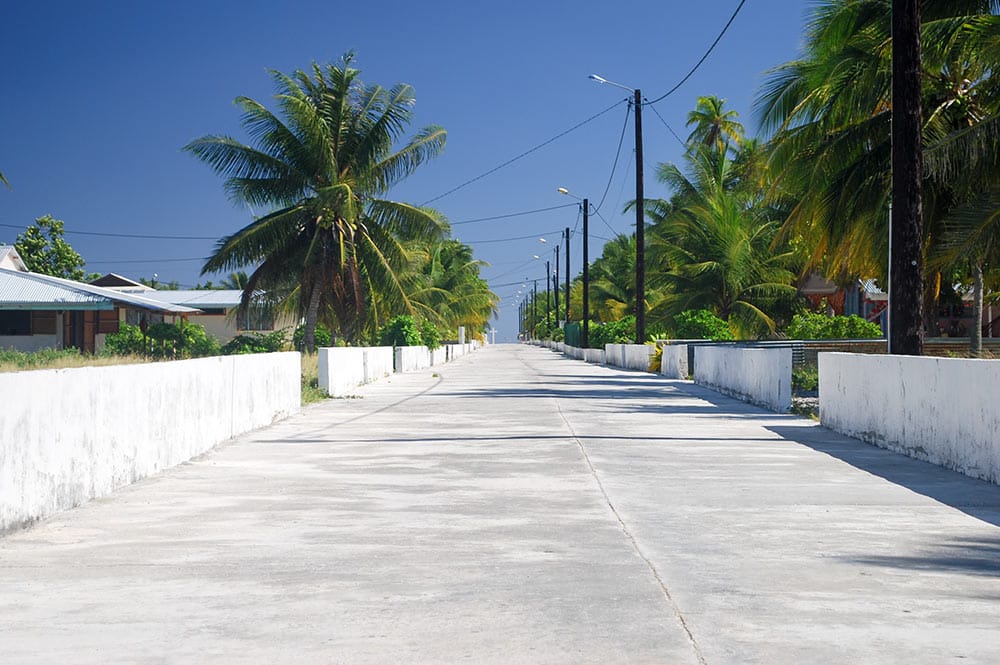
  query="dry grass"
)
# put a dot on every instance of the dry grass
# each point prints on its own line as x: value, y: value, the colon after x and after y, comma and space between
x: 311, y: 392
x: 19, y: 361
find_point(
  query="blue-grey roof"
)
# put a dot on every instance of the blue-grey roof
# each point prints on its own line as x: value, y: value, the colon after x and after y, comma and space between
x: 30, y: 290
x: 198, y: 298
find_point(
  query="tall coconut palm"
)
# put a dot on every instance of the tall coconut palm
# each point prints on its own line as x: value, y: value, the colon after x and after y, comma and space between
x: 713, y: 245
x: 714, y: 125
x: 322, y: 171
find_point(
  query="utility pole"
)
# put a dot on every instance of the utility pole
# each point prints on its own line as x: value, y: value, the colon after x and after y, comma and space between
x: 548, y: 288
x: 534, y: 308
x: 906, y: 269
x: 640, y: 229
x: 585, y: 337
x: 555, y: 284
x: 567, y: 274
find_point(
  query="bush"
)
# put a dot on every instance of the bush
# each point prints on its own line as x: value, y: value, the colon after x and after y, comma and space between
x: 701, y: 324
x: 400, y: 331
x: 805, y: 379
x: 129, y: 340
x: 323, y: 337
x: 180, y: 340
x: 812, y: 325
x: 36, y: 359
x: 430, y: 336
x: 615, y: 332
x: 255, y: 342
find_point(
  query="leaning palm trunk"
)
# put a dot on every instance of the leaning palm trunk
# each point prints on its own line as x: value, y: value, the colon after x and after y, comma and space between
x: 312, y: 315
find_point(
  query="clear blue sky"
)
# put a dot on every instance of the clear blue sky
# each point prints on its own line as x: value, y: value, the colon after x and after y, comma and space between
x: 98, y: 99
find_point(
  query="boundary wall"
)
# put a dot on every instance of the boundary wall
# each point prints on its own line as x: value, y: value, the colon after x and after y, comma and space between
x: 72, y: 435
x: 629, y: 356
x: 412, y: 358
x: 674, y: 361
x: 939, y: 410
x: 341, y: 369
x: 761, y: 376
x: 379, y: 362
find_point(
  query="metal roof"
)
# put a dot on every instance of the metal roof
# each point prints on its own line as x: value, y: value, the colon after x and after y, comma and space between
x: 198, y: 298
x: 31, y: 290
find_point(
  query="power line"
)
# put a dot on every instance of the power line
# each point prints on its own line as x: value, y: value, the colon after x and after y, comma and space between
x: 523, y: 154
x: 703, y: 58
x: 112, y: 261
x: 534, y: 235
x: 121, y: 235
x: 614, y: 166
x: 669, y: 128
x: 512, y: 214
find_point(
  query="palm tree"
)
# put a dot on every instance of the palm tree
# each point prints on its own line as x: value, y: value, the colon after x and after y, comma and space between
x: 236, y: 280
x: 446, y: 288
x: 831, y: 112
x: 714, y: 245
x: 713, y: 125
x: 330, y: 239
x: 4, y: 180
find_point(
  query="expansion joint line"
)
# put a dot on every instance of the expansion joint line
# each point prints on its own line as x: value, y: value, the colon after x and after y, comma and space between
x: 631, y: 538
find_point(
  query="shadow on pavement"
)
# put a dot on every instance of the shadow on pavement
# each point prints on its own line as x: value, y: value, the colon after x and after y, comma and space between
x: 970, y: 556
x: 976, y: 498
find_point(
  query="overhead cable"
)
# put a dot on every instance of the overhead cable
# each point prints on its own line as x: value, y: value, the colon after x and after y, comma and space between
x: 703, y: 58
x: 524, y: 154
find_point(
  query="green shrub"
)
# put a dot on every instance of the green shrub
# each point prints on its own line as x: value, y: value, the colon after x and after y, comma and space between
x: 701, y: 324
x: 615, y: 332
x: 805, y: 378
x: 812, y: 325
x: 430, y: 336
x: 36, y: 359
x: 180, y: 340
x: 129, y: 340
x: 255, y: 342
x: 400, y: 331
x: 322, y: 336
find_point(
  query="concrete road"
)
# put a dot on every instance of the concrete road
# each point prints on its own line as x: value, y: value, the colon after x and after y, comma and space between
x: 519, y: 507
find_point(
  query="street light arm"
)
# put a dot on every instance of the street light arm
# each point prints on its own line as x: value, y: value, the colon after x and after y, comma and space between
x: 601, y: 79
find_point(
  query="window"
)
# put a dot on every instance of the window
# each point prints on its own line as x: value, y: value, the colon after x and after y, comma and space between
x: 15, y: 322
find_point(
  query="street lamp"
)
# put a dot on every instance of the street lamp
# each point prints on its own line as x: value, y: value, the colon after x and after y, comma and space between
x: 640, y: 221
x: 585, y: 334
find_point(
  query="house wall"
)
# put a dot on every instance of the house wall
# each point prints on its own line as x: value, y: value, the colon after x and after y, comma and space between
x: 940, y: 410
x: 72, y: 435
x: 761, y: 376
x: 30, y: 343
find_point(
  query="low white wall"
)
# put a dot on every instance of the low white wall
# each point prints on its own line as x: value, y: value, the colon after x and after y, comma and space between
x: 378, y: 362
x: 439, y: 356
x: 637, y: 356
x: 674, y: 362
x: 72, y: 435
x: 412, y: 358
x: 341, y: 369
x: 594, y: 356
x: 614, y: 355
x: 455, y: 350
x: 761, y: 376
x: 940, y: 410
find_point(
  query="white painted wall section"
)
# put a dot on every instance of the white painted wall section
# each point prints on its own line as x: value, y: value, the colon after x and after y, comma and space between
x: 940, y: 410
x: 412, y: 358
x: 761, y: 376
x: 341, y: 369
x: 378, y: 362
x: 72, y: 435
x: 439, y: 356
x: 674, y: 362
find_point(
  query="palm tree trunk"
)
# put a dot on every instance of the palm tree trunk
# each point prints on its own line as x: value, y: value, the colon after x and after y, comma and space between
x: 976, y: 332
x: 906, y: 335
x: 312, y: 314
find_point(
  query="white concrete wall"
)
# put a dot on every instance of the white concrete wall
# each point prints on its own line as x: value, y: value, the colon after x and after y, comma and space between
x: 940, y: 410
x: 71, y: 435
x: 614, y: 355
x: 412, y: 358
x: 637, y: 356
x: 439, y: 356
x: 379, y: 362
x: 594, y: 356
x: 341, y: 369
x: 674, y: 362
x: 761, y: 376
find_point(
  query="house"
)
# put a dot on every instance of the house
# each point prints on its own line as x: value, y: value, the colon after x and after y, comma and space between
x: 40, y: 311
x: 217, y: 308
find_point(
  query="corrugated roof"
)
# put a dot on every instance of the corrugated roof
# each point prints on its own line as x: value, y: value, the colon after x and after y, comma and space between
x: 199, y: 298
x: 32, y: 290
